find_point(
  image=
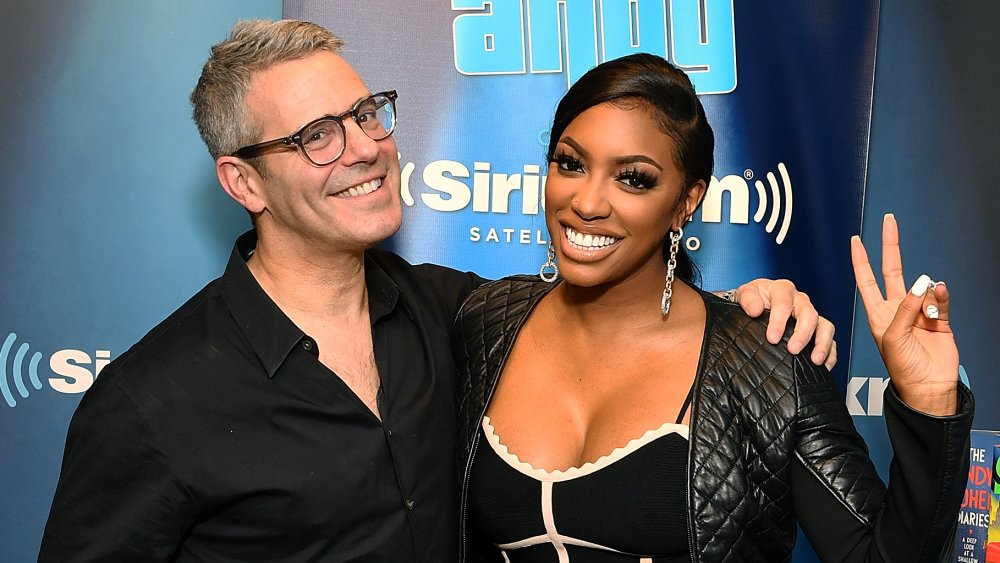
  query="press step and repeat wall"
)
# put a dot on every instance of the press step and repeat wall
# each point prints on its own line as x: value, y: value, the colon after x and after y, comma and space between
x: 111, y: 215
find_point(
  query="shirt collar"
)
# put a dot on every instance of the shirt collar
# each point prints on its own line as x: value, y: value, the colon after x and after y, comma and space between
x: 383, y: 293
x: 271, y: 334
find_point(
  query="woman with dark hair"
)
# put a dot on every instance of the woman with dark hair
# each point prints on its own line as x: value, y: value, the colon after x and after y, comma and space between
x: 617, y: 413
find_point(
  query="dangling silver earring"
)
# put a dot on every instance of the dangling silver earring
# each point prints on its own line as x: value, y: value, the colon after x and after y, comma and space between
x: 668, y: 290
x: 549, y: 271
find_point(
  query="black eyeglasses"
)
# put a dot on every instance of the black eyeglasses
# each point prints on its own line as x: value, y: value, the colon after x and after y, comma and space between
x: 323, y: 140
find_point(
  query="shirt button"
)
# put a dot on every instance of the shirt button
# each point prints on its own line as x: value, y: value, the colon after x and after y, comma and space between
x: 307, y: 345
x: 409, y: 504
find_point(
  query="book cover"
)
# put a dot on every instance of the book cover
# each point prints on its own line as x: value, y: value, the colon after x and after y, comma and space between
x: 978, y: 536
x: 993, y: 536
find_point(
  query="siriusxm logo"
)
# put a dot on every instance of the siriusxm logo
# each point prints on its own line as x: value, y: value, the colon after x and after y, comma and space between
x: 572, y: 36
x: 869, y: 389
x: 451, y: 186
x: 775, y: 194
x: 489, y: 192
x: 864, y: 394
x: 70, y: 368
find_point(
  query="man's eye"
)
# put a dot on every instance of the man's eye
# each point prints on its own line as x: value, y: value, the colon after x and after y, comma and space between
x: 320, y: 135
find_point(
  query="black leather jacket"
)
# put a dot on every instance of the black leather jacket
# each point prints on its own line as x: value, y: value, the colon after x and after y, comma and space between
x: 771, y: 442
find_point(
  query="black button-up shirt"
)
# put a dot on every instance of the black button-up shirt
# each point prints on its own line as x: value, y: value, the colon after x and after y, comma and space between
x: 221, y: 437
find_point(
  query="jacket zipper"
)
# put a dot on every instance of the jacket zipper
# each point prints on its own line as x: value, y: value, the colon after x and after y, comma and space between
x: 512, y: 337
x: 698, y: 376
x: 463, y: 548
x: 463, y: 554
x: 690, y: 483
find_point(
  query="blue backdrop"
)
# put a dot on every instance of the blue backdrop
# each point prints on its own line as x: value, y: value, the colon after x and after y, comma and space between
x: 111, y: 215
x: 787, y: 87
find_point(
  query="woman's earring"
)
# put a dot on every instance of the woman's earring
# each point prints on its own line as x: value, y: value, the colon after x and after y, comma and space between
x: 668, y: 290
x: 549, y: 271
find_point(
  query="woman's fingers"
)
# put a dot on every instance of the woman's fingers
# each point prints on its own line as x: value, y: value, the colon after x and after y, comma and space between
x: 892, y: 262
x: 936, y: 304
x: 871, y: 295
x: 910, y: 308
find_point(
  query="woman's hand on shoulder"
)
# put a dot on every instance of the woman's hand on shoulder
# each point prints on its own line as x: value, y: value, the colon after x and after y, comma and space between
x: 910, y: 328
x: 786, y: 301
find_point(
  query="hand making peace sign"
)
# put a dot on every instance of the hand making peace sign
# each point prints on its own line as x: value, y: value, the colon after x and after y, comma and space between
x: 910, y: 328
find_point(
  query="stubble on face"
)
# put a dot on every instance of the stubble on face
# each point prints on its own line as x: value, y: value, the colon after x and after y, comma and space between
x: 350, y: 205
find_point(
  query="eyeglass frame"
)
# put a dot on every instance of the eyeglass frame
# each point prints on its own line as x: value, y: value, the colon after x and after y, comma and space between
x: 295, y: 139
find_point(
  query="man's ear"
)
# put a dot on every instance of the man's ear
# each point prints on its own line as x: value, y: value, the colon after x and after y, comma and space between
x: 241, y: 181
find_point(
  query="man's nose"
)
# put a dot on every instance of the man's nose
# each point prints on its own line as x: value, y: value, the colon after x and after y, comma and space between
x: 358, y: 146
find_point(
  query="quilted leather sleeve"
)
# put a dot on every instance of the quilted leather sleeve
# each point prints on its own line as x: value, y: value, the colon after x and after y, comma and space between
x: 927, y: 478
x: 845, y: 509
x: 829, y: 446
x: 742, y: 436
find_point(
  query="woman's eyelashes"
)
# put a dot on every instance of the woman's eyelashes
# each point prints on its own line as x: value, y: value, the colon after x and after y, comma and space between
x: 632, y: 178
x: 567, y: 163
x: 636, y: 179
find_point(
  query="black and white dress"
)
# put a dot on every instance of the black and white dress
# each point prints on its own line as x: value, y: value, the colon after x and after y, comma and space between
x: 627, y: 506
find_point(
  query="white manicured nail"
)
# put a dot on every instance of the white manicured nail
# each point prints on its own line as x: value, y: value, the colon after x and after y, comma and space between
x: 920, y: 286
x: 932, y: 312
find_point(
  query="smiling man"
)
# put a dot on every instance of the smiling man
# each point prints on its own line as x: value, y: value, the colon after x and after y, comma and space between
x: 301, y: 406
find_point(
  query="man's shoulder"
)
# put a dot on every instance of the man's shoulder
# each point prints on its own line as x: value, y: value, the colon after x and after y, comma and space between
x: 423, y: 284
x: 187, y: 334
x: 399, y: 268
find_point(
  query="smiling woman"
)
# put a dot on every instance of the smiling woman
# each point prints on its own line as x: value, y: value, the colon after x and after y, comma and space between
x: 621, y: 414
x: 611, y: 201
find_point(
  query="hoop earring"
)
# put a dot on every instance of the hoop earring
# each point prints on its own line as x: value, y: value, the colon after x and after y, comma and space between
x: 549, y: 271
x: 668, y: 290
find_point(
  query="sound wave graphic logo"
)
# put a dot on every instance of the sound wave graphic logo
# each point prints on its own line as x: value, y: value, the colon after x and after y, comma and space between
x: 776, y: 203
x: 776, y: 195
x: 17, y: 370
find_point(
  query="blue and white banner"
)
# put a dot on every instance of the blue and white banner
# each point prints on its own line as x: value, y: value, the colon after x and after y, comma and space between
x: 111, y: 214
x: 787, y: 88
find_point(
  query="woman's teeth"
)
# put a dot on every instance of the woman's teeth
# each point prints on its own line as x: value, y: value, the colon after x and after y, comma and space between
x: 588, y: 242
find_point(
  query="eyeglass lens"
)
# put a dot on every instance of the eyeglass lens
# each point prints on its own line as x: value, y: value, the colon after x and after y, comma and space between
x: 324, y: 140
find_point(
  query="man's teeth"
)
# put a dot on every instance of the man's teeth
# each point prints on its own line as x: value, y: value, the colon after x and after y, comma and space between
x: 588, y: 241
x: 363, y: 189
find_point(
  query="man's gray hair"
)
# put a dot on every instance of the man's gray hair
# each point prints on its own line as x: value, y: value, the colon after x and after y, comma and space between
x: 220, y: 110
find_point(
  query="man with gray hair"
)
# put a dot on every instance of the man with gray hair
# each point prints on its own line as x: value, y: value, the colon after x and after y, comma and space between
x: 301, y: 406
